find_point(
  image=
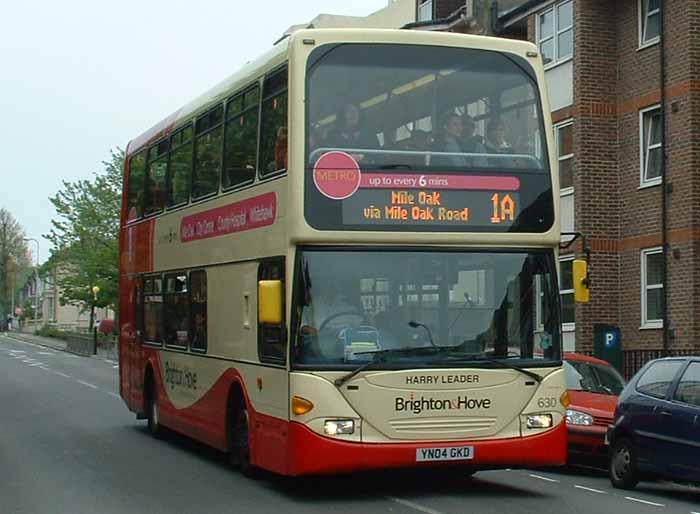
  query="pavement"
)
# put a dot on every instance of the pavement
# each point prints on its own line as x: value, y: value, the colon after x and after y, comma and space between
x: 60, y: 345
x: 68, y: 445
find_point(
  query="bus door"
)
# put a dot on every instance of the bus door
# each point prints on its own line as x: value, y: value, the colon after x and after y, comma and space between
x: 271, y: 392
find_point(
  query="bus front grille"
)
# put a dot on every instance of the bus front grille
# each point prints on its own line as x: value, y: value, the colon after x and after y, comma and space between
x: 441, y: 425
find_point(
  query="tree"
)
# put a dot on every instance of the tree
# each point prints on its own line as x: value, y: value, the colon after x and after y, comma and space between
x: 85, y: 237
x: 14, y: 260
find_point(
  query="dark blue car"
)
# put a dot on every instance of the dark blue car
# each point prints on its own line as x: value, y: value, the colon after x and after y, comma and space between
x: 656, y: 432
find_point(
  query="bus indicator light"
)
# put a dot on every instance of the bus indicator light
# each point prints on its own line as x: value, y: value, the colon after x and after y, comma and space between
x: 301, y: 406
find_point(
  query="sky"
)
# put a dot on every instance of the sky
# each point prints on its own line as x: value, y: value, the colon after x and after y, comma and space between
x: 81, y: 77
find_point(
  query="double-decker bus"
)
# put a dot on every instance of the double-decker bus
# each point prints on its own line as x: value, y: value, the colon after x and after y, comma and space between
x: 344, y: 257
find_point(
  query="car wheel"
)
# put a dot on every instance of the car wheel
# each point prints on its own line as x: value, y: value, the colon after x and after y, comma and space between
x: 623, y: 465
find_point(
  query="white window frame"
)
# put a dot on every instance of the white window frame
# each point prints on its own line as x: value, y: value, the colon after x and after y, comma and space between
x: 642, y: 16
x: 645, y: 147
x: 647, y: 323
x: 420, y: 8
x: 566, y: 327
x: 557, y: 127
x: 556, y: 31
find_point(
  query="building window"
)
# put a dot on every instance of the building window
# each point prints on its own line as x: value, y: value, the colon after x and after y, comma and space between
x: 649, y: 22
x: 425, y: 10
x: 564, y: 140
x: 555, y: 33
x: 650, y: 146
x: 652, y: 287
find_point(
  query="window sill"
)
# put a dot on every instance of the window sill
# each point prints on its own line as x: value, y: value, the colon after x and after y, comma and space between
x: 554, y: 64
x: 648, y: 44
x: 648, y: 184
x: 652, y: 326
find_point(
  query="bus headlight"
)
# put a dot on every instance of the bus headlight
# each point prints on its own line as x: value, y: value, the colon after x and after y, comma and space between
x: 574, y: 417
x: 339, y: 426
x: 540, y: 421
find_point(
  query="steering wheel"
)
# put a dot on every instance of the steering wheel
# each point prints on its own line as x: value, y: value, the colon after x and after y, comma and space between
x: 337, y: 315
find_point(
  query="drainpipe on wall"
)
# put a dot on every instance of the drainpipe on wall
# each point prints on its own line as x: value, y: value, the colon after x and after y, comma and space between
x: 664, y: 185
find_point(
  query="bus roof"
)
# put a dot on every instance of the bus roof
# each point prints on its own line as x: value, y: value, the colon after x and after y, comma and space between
x: 277, y: 55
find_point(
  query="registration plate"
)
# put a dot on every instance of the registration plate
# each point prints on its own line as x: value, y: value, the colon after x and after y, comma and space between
x: 445, y: 454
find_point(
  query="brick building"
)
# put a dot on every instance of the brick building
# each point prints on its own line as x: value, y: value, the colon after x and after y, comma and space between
x: 623, y: 77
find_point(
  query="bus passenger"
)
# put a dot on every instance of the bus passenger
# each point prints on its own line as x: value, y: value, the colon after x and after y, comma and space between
x: 450, y: 140
x: 348, y: 131
x: 496, y: 138
x: 472, y: 143
x: 281, y: 149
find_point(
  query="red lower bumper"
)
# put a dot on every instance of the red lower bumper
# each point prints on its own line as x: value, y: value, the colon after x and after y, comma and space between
x: 313, y: 454
x: 586, y: 441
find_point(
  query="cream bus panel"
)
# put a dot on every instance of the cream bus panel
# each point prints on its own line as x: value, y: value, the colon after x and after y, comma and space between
x: 188, y: 378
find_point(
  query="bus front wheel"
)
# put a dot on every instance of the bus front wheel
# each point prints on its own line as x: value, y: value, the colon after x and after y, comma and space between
x: 242, y: 446
x: 152, y: 412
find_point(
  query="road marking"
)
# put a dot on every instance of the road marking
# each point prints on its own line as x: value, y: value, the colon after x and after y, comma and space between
x: 62, y: 374
x: 87, y: 384
x: 45, y: 353
x: 115, y: 395
x: 645, y: 502
x: 45, y: 368
x: 29, y: 360
x: 73, y: 356
x: 36, y: 364
x: 546, y: 479
x: 115, y: 367
x: 590, y: 489
x: 110, y: 362
x: 414, y: 506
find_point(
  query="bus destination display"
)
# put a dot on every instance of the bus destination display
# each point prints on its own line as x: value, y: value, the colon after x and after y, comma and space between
x: 372, y: 198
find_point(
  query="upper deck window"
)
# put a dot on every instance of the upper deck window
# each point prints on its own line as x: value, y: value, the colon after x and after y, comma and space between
x: 155, y: 176
x: 180, y: 167
x: 207, y: 157
x: 441, y: 137
x: 241, y: 139
x: 273, y: 134
x: 137, y: 172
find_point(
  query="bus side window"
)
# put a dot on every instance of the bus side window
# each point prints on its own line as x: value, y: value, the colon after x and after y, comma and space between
x: 198, y: 311
x: 241, y: 138
x: 153, y: 310
x: 137, y: 172
x: 208, y: 152
x: 176, y: 310
x: 138, y: 306
x: 273, y: 136
x: 180, y: 167
x: 272, y: 339
x: 155, y: 177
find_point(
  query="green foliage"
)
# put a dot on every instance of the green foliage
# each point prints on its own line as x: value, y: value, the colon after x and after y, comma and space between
x: 85, y: 237
x: 14, y: 260
x: 49, y: 331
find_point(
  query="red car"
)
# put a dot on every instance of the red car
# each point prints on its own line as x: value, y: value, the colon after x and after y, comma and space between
x: 594, y: 386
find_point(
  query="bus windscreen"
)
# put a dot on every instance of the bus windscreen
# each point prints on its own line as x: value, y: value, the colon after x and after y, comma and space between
x: 424, y: 138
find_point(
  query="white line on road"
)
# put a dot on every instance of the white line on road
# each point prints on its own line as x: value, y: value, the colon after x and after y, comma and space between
x: 63, y: 374
x: 115, y: 395
x: 110, y: 361
x: 72, y: 356
x: 45, y: 353
x: 645, y: 502
x: 87, y: 384
x: 29, y: 360
x: 414, y: 506
x: 45, y: 368
x: 36, y: 364
x: 546, y: 479
x: 115, y: 367
x: 590, y: 489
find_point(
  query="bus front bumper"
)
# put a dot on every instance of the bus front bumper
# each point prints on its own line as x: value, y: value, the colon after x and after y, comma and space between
x: 313, y: 454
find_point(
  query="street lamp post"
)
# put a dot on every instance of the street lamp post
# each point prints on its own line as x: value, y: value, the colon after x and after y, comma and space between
x: 95, y: 291
x: 36, y: 281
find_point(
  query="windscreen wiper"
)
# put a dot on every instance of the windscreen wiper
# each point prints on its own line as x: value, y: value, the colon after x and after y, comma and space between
x: 498, y: 362
x: 378, y: 356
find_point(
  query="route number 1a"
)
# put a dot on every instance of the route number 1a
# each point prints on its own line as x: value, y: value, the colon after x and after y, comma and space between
x: 503, y: 208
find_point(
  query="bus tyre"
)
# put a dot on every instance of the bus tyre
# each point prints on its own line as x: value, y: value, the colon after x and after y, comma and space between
x: 152, y: 412
x: 623, y: 465
x: 242, y: 446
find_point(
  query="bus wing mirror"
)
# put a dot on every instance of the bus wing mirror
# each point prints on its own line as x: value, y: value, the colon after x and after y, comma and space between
x: 270, y: 302
x: 582, y: 293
